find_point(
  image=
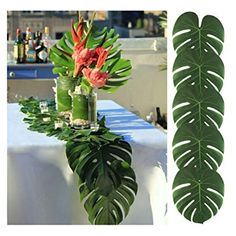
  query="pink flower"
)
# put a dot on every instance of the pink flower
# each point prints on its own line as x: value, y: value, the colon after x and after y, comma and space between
x: 102, y: 56
x: 83, y: 57
x: 95, y: 77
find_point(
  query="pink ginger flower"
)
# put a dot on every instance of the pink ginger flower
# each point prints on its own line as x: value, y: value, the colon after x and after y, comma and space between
x: 95, y: 77
x: 83, y: 57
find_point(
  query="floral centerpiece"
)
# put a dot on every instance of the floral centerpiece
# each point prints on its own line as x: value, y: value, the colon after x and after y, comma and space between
x: 87, y: 59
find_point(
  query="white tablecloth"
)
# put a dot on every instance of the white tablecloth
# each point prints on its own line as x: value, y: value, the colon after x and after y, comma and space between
x: 42, y: 189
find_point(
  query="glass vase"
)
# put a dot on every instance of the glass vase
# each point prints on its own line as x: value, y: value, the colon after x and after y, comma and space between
x: 64, y: 84
x: 92, y: 109
x: 84, y: 108
x: 79, y: 112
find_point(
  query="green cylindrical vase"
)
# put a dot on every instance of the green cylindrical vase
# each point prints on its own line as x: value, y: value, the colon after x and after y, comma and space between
x: 84, y: 108
x: 79, y: 106
x: 64, y: 84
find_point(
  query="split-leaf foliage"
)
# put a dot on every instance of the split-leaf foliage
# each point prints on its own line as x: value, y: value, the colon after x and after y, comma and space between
x: 198, y: 109
x: 101, y: 159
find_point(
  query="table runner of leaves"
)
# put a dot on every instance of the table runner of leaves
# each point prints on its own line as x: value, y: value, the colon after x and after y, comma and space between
x: 101, y: 159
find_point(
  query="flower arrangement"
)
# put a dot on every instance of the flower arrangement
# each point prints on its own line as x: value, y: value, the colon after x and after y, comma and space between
x: 86, y: 59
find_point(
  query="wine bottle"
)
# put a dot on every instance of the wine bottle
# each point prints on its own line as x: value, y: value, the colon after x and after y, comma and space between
x: 41, y: 50
x: 26, y: 41
x: 42, y: 53
x: 18, y: 48
x: 159, y: 117
x: 46, y: 38
x: 38, y: 38
x: 30, y: 53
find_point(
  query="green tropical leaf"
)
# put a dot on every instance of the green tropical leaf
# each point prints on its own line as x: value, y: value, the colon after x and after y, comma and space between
x: 110, y: 136
x: 106, y: 180
x: 199, y: 69
x: 113, y: 208
x: 204, y: 107
x: 198, y: 193
x: 63, y: 71
x: 64, y: 44
x: 198, y: 110
x: 61, y: 59
x: 189, y: 34
x: 197, y: 147
x: 96, y: 37
x: 120, y: 66
x: 119, y: 70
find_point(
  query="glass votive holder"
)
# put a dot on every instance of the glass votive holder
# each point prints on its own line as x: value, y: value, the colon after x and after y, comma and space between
x: 58, y: 124
x: 46, y: 119
x: 43, y: 105
x: 94, y: 126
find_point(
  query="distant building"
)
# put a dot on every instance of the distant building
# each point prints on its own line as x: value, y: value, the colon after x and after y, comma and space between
x: 127, y: 23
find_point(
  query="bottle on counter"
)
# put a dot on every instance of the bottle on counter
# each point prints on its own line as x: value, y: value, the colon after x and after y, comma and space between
x: 159, y: 120
x: 30, y: 53
x: 46, y: 38
x: 42, y: 54
x: 38, y: 38
x: 18, y: 48
x: 41, y: 50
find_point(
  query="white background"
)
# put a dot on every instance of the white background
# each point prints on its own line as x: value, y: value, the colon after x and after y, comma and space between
x: 223, y: 222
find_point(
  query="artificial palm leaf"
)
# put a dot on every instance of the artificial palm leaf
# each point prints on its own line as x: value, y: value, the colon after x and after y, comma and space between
x: 198, y: 110
x: 204, y: 69
x: 204, y: 107
x: 119, y: 70
x: 198, y: 193
x: 198, y: 147
x: 188, y: 33
x: 106, y: 180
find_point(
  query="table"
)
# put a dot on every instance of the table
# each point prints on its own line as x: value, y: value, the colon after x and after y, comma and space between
x: 42, y: 189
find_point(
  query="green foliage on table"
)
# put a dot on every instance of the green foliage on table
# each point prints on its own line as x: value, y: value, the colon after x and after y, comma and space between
x: 101, y: 159
x: 118, y: 68
x: 198, y: 110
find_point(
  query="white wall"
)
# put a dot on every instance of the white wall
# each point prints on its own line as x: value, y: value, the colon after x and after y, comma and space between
x: 147, y: 87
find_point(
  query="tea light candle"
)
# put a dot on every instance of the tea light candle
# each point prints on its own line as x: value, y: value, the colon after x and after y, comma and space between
x: 46, y: 119
x: 43, y: 105
x: 58, y: 124
x: 94, y: 126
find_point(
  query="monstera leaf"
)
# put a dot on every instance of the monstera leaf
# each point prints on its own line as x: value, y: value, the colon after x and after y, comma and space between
x: 188, y: 33
x: 198, y: 69
x: 106, y: 180
x: 118, y: 68
x: 198, y: 110
x: 198, y: 193
x: 60, y: 54
x: 198, y: 147
x: 204, y: 107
